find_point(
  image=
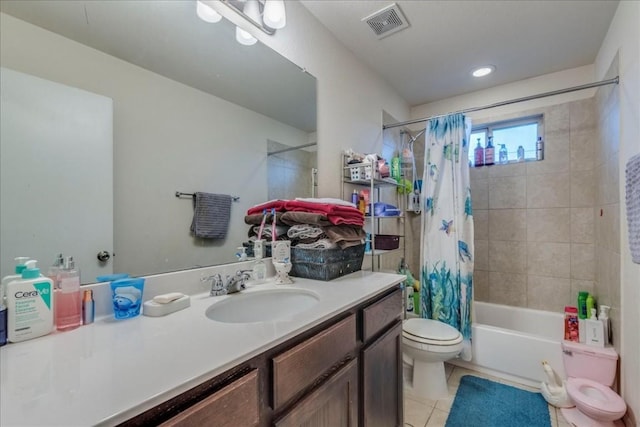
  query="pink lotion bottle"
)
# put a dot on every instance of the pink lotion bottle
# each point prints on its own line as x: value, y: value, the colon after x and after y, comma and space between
x: 68, y: 305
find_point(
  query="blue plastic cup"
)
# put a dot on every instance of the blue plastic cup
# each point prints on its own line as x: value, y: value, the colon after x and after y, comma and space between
x: 127, y: 297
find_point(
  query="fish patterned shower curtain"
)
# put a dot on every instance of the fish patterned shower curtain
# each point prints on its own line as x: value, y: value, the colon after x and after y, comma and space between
x: 447, y: 251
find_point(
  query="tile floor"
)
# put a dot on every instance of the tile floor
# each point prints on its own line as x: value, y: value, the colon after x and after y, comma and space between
x: 420, y: 412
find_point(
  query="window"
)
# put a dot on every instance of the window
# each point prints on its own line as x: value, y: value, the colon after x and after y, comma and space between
x: 512, y: 134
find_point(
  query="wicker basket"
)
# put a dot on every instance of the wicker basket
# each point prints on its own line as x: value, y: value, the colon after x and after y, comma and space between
x: 325, y: 264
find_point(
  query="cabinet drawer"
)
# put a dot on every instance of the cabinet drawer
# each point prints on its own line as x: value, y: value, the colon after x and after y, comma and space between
x: 300, y: 366
x: 234, y: 405
x: 380, y: 314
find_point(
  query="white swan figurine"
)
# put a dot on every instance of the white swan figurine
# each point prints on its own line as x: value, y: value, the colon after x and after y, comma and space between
x: 554, y: 392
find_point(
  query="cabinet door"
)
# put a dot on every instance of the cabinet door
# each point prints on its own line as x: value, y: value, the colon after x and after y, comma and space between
x: 334, y: 403
x: 235, y: 405
x: 382, y: 380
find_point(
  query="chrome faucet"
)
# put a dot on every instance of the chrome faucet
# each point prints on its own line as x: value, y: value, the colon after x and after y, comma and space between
x: 230, y: 284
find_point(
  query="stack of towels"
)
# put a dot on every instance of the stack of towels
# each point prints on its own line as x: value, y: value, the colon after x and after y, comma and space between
x: 310, y: 223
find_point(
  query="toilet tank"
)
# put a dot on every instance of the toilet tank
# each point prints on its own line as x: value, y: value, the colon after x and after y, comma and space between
x: 593, y: 363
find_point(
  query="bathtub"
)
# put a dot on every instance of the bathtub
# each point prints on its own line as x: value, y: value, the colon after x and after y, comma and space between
x: 511, y: 342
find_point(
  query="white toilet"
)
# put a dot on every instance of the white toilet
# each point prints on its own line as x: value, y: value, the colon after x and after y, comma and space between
x: 427, y: 344
x: 591, y: 372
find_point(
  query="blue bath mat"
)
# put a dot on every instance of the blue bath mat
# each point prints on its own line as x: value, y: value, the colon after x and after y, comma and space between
x: 484, y: 403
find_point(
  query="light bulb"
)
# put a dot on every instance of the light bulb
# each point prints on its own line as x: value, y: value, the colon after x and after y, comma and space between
x: 483, y: 71
x: 243, y: 37
x: 252, y: 10
x: 274, y: 14
x: 206, y: 13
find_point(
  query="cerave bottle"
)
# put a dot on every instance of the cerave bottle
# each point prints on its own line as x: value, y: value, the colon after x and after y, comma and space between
x: 29, y: 305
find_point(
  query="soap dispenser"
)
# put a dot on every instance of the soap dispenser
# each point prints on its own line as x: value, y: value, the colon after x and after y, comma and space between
x: 32, y: 295
x: 20, y: 266
x: 259, y: 271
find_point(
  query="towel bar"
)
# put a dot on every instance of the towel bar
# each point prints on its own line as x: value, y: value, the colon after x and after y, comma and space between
x: 180, y: 194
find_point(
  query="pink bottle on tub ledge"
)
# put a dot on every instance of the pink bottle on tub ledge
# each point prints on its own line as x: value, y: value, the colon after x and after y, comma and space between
x: 571, y: 331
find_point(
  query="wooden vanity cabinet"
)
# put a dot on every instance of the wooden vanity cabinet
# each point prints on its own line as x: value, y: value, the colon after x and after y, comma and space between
x: 345, y: 372
x: 234, y: 405
x: 381, y: 397
x: 333, y: 404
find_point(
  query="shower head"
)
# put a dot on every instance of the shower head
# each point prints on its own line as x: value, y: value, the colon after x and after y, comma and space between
x: 412, y: 138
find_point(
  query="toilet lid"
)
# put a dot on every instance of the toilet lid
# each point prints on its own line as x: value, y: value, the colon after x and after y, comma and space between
x: 431, y: 332
x: 603, y: 400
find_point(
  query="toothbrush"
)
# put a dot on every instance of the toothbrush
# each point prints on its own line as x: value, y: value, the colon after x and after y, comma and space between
x: 264, y: 218
x: 273, y: 225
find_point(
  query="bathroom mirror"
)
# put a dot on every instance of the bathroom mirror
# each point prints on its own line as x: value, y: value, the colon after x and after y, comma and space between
x: 193, y: 110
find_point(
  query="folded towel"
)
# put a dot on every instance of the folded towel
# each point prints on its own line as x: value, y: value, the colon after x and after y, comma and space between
x: 345, y: 233
x: 256, y: 219
x: 293, y: 218
x: 633, y: 205
x: 326, y: 200
x: 276, y: 204
x: 211, y: 213
x: 281, y: 232
x: 304, y: 231
x: 336, y: 214
x: 320, y: 244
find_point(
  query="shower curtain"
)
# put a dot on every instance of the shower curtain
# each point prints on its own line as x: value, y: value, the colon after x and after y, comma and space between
x: 446, y: 277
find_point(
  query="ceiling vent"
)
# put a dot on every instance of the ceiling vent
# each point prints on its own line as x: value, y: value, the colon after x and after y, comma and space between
x: 387, y: 21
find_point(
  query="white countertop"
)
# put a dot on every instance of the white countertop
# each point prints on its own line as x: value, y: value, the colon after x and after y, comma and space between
x: 110, y: 371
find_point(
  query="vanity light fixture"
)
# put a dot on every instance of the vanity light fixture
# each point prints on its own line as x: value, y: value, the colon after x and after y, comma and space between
x: 252, y: 10
x: 266, y: 15
x: 274, y: 14
x: 483, y: 71
x: 206, y: 13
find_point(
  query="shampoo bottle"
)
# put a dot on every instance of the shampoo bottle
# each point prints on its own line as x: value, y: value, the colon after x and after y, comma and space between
x: 68, y: 304
x: 478, y: 155
x: 595, y: 331
x: 582, y: 305
x: 489, y: 152
x: 591, y: 304
x: 30, y: 305
x: 503, y: 154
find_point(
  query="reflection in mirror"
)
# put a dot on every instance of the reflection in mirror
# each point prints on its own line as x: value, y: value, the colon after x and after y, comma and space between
x: 292, y: 171
x: 192, y: 111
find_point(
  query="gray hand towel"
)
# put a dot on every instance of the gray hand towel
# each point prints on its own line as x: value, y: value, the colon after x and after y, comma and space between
x: 633, y: 206
x: 211, y: 213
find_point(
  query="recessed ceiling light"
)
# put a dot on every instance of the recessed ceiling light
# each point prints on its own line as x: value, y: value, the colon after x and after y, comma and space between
x: 483, y: 71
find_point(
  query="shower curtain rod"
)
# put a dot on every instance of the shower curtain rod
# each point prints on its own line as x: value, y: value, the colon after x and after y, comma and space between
x: 614, y: 80
x: 297, y: 147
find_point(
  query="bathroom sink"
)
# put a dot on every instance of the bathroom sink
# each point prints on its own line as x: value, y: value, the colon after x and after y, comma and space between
x: 262, y: 306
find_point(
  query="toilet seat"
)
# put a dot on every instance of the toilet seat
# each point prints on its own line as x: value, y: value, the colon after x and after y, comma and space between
x: 596, y: 400
x: 431, y: 332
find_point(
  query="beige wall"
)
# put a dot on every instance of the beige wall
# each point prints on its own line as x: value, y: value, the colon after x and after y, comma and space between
x: 534, y: 222
x: 607, y: 202
x: 623, y: 40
